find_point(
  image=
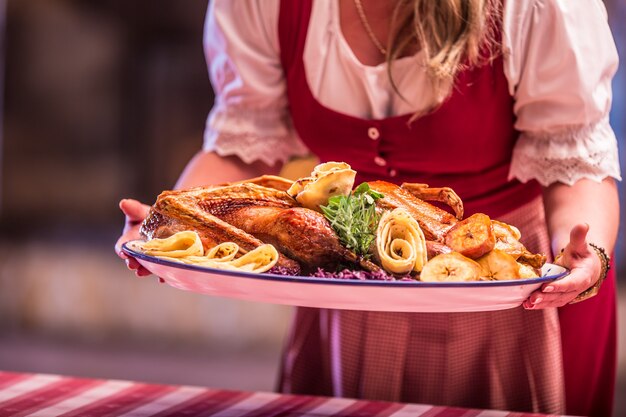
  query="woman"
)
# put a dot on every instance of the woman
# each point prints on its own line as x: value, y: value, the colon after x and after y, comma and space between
x: 505, y: 103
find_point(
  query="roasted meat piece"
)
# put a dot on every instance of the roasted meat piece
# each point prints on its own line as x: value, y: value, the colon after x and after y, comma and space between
x: 250, y: 215
x: 434, y: 222
x: 179, y: 210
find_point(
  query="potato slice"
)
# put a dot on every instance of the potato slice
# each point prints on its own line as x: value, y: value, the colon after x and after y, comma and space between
x: 527, y: 271
x: 498, y: 266
x: 449, y: 267
x: 472, y: 237
x: 507, y: 239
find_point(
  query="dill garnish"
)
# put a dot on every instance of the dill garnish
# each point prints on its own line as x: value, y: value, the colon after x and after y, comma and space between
x: 354, y: 218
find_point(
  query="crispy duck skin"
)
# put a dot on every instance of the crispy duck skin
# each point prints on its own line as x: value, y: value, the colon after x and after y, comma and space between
x: 269, y: 181
x: 241, y: 191
x: 434, y: 222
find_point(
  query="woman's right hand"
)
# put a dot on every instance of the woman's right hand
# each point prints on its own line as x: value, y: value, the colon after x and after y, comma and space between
x: 135, y: 213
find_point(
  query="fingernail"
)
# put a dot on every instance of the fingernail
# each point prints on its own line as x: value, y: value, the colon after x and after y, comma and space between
x: 538, y: 300
x: 549, y: 288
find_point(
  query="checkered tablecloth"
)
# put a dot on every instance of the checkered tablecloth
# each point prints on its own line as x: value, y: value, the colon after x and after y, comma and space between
x: 23, y: 394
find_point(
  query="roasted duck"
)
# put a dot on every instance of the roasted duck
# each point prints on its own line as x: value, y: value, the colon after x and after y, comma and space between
x: 175, y: 211
x: 250, y: 215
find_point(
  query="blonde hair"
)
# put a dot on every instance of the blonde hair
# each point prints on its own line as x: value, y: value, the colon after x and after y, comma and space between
x: 453, y: 35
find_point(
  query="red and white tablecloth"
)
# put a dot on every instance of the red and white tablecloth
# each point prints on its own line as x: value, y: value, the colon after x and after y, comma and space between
x: 24, y: 394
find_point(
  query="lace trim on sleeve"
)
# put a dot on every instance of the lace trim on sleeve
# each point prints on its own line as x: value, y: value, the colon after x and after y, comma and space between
x: 263, y: 135
x: 567, y: 155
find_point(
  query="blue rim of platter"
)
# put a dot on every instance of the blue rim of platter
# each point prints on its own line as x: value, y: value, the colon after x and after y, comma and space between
x: 339, y: 281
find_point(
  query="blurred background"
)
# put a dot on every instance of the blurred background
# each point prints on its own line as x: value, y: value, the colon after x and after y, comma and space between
x: 105, y: 99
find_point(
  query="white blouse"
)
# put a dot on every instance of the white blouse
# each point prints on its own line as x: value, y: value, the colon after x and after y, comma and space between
x: 559, y: 60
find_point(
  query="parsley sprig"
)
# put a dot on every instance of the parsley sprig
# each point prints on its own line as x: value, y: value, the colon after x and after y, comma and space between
x: 354, y: 218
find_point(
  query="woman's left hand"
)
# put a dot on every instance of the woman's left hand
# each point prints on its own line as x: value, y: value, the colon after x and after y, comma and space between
x: 584, y: 266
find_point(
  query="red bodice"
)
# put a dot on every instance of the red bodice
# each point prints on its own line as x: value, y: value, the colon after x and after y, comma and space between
x: 466, y: 144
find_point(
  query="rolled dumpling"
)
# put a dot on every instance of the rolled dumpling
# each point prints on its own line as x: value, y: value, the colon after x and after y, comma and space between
x: 327, y: 180
x: 400, y: 243
x: 260, y: 259
x: 179, y: 245
x: 186, y: 247
x: 222, y: 253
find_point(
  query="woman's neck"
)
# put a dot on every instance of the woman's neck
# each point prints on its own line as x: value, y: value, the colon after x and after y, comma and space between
x: 358, y: 35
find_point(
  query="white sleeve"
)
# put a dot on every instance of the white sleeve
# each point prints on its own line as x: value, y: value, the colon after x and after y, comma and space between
x: 250, y: 116
x: 560, y: 58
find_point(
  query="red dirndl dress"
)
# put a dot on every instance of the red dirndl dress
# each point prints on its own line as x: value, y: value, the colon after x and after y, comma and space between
x: 510, y: 359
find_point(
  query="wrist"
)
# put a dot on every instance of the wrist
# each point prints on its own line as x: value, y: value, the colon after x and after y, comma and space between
x: 605, y: 265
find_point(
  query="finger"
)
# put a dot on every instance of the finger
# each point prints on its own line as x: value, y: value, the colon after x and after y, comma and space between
x: 549, y: 300
x: 534, y: 298
x: 540, y: 297
x: 577, y: 280
x: 134, y: 210
x: 132, y: 263
x: 542, y: 300
x: 140, y: 271
x: 578, y: 238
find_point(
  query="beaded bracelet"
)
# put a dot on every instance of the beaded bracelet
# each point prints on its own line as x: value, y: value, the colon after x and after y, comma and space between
x: 605, y: 260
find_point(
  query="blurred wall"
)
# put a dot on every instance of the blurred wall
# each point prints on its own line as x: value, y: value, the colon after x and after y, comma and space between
x: 104, y: 99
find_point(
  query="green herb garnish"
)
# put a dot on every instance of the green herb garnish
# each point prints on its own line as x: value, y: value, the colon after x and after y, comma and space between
x: 354, y: 218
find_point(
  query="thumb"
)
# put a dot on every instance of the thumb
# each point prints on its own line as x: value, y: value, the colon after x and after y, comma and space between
x: 134, y: 210
x: 577, y: 238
